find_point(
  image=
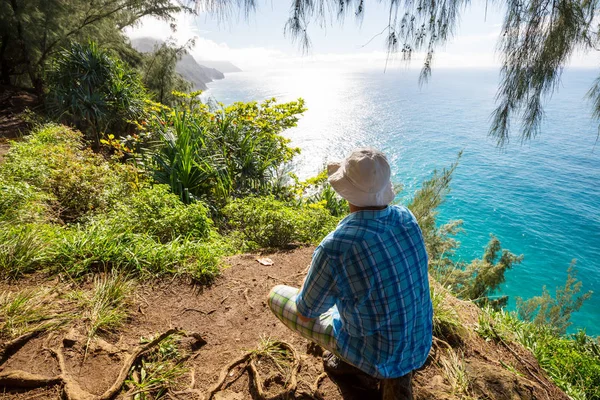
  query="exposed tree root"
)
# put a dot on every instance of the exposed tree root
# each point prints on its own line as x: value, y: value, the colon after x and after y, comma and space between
x: 314, y: 389
x: 26, y: 380
x: 247, y: 362
x: 225, y: 372
x: 71, y: 387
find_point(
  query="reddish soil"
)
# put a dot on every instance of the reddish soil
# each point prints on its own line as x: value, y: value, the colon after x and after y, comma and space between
x: 232, y: 316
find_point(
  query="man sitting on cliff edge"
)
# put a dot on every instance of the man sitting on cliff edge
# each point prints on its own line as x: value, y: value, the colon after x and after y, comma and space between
x: 366, y: 296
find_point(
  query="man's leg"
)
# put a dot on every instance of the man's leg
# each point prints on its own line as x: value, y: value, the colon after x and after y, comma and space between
x: 398, y: 388
x: 282, y: 301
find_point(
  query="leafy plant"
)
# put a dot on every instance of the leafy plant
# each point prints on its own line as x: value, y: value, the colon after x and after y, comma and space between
x: 317, y: 190
x: 186, y: 163
x: 94, y: 91
x: 215, y: 153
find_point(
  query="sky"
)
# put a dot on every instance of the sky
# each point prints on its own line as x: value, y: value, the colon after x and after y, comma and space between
x: 258, y: 42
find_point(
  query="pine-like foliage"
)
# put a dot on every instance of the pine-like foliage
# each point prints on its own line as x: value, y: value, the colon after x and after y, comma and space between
x: 479, y: 280
x: 555, y: 312
x: 33, y: 31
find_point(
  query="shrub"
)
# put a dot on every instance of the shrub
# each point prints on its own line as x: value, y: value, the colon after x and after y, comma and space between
x: 439, y: 240
x: 555, y: 312
x: 213, y: 154
x: 266, y: 222
x: 94, y: 91
x: 479, y: 280
x: 318, y: 190
x: 156, y: 211
x: 51, y: 176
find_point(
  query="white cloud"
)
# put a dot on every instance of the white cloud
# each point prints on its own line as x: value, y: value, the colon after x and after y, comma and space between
x: 466, y: 51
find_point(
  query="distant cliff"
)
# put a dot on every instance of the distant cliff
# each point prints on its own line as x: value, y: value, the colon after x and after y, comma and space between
x: 197, y: 74
x: 223, y: 66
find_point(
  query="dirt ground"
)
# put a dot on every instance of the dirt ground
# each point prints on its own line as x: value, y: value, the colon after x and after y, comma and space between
x: 13, y: 101
x: 232, y: 316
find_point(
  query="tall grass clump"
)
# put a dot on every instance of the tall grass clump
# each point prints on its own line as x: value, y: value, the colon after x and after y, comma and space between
x: 106, y: 307
x: 24, y: 248
x: 97, y: 248
x: 27, y: 310
x: 446, y: 323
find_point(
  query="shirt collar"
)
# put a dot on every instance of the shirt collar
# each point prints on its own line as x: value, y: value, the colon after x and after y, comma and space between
x: 367, y: 215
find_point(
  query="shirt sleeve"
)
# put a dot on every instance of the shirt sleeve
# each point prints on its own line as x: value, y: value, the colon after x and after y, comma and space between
x: 318, y: 292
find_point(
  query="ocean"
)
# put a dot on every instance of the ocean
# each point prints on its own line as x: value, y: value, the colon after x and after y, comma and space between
x: 540, y: 198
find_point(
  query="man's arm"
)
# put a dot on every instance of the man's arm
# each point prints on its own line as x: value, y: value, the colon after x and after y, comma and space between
x: 319, y: 290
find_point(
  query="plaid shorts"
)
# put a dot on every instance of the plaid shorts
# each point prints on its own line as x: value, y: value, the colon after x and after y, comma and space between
x: 282, y: 301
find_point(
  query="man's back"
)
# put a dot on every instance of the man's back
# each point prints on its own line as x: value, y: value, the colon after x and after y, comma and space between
x: 380, y: 286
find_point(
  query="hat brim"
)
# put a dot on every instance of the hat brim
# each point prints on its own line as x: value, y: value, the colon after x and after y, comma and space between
x: 333, y: 167
x: 345, y: 188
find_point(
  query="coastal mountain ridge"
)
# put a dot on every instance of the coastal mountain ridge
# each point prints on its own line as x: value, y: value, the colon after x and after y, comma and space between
x: 188, y: 67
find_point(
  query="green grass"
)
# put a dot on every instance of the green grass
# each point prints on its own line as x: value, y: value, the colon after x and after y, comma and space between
x: 446, y: 323
x: 158, y: 371
x: 65, y: 209
x: 454, y: 371
x: 106, y: 307
x: 572, y: 361
x: 27, y: 310
x: 23, y: 248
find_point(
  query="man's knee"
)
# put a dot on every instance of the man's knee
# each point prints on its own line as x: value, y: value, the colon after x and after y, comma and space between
x: 275, y: 296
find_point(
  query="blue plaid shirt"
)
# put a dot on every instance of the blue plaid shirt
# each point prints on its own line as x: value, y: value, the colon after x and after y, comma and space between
x: 373, y: 271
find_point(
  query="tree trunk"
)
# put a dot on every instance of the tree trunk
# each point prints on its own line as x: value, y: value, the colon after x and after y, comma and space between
x: 4, y: 66
x: 35, y: 80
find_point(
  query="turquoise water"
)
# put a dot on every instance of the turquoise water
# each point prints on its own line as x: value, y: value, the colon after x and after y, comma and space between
x: 541, y: 199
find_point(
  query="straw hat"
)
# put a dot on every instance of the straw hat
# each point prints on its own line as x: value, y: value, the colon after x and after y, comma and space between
x: 363, y: 178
